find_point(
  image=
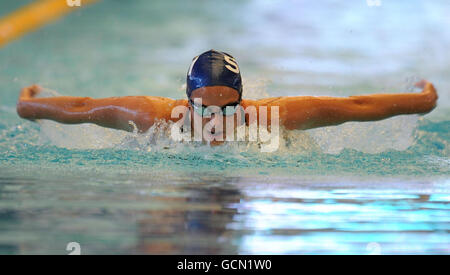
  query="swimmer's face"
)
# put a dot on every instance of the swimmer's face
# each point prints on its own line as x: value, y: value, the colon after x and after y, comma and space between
x: 219, y: 96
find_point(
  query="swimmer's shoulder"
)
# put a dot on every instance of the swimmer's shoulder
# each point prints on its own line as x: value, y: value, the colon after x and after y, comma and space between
x: 166, y: 101
x: 162, y: 107
x: 261, y: 102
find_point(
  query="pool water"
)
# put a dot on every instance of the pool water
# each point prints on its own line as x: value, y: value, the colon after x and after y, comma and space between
x: 358, y: 188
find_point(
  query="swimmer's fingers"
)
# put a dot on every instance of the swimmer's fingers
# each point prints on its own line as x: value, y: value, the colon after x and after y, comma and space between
x: 421, y: 84
x: 429, y: 92
x: 429, y: 89
x: 30, y: 92
x: 426, y: 86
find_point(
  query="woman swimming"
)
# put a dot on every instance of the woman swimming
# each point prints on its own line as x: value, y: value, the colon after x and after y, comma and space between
x: 214, y: 81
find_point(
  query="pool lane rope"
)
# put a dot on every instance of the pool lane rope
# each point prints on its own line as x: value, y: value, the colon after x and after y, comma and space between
x: 32, y: 16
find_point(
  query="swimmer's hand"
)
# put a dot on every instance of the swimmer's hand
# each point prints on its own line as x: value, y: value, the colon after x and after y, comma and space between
x: 27, y: 94
x: 30, y: 92
x: 429, y: 93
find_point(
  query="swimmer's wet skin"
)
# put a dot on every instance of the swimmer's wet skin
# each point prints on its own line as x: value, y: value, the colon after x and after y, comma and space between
x: 214, y: 77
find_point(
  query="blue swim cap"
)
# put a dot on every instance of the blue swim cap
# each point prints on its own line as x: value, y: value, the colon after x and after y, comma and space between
x: 213, y: 68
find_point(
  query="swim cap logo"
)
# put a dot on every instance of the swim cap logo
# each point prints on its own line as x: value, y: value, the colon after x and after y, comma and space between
x: 232, y: 64
x: 192, y: 65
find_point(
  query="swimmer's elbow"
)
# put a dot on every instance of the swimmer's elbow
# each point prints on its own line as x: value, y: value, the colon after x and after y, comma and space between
x: 82, y: 104
x: 360, y: 101
x: 353, y: 108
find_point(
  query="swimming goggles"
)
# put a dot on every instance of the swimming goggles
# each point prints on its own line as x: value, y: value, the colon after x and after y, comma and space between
x: 227, y: 110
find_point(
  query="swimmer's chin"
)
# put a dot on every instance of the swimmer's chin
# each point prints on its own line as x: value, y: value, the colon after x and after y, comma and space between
x: 216, y: 142
x: 213, y: 142
x: 214, y: 139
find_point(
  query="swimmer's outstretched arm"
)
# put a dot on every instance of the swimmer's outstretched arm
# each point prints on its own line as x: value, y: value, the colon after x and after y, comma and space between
x: 312, y: 112
x: 113, y: 112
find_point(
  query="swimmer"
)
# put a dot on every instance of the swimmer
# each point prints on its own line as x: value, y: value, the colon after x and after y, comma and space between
x: 214, y: 79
